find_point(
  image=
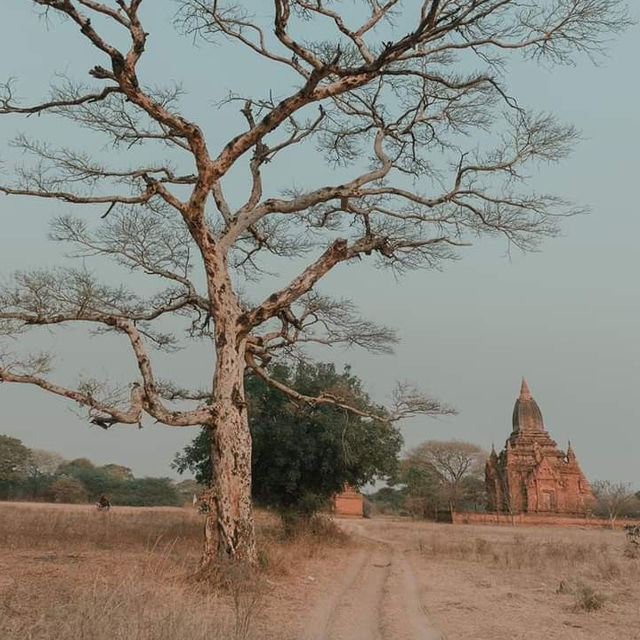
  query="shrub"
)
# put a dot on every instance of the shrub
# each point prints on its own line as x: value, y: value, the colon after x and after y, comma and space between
x: 588, y: 599
x: 69, y: 490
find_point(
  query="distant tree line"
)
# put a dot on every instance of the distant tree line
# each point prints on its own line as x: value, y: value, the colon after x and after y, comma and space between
x: 37, y: 475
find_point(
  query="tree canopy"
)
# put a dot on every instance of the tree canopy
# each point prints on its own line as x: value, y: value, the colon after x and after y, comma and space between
x: 14, y: 457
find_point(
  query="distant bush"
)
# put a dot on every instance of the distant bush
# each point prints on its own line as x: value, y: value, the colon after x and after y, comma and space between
x: 117, y: 482
x: 33, y: 474
x: 68, y: 490
x: 146, y: 492
x: 387, y: 500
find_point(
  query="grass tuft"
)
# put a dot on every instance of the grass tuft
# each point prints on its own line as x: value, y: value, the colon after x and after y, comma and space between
x: 588, y: 599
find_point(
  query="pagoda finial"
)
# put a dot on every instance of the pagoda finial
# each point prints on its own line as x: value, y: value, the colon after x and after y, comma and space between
x: 524, y: 389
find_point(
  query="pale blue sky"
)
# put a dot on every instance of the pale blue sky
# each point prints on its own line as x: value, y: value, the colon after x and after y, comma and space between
x: 566, y: 317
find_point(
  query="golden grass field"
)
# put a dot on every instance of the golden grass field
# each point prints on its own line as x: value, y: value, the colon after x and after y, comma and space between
x: 483, y: 582
x: 69, y: 572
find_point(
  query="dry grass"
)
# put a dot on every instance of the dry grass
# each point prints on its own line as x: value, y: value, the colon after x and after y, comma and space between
x: 51, y: 526
x: 518, y: 551
x: 72, y: 573
x: 533, y: 582
x: 280, y: 553
x: 596, y: 555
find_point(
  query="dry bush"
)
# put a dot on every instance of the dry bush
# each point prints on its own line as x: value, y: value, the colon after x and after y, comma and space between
x: 588, y: 565
x: 585, y: 596
x: 608, y: 568
x: 588, y: 599
x: 246, y: 590
x: 280, y: 549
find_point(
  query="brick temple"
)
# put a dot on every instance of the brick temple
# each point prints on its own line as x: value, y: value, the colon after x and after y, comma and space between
x: 531, y: 474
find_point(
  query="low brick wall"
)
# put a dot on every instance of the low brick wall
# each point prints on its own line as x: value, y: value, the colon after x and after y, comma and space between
x: 349, y: 504
x: 532, y: 519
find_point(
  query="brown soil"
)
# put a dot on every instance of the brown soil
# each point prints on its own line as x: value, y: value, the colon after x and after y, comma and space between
x: 372, y: 592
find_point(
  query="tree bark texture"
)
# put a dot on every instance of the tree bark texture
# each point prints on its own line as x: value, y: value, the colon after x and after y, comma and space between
x: 229, y: 526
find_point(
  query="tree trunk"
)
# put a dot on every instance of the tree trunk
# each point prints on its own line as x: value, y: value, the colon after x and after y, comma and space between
x: 229, y: 526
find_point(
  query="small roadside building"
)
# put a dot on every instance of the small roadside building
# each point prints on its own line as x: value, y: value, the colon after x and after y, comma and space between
x: 349, y: 502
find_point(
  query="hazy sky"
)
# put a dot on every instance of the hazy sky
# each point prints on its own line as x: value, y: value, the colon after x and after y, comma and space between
x: 567, y: 317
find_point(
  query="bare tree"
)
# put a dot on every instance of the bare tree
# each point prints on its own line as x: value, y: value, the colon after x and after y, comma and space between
x: 431, y: 152
x: 43, y: 462
x: 614, y: 499
x: 452, y: 463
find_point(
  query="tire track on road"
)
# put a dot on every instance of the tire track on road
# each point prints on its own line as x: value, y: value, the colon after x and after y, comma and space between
x: 353, y: 612
x: 404, y: 615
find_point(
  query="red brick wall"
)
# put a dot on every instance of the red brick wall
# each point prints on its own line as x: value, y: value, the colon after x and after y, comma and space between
x: 536, y: 519
x: 348, y: 504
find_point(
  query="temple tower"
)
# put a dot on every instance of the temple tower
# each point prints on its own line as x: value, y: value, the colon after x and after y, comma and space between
x: 531, y: 474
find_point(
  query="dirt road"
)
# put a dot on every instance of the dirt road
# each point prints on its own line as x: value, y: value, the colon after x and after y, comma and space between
x: 404, y: 580
x: 375, y: 595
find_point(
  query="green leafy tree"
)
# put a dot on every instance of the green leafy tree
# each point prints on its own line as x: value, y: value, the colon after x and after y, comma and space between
x: 188, y: 488
x: 95, y: 480
x: 473, y: 496
x: 304, y: 453
x: 388, y: 500
x: 78, y: 465
x: 422, y: 488
x: 14, y: 457
x: 44, y: 462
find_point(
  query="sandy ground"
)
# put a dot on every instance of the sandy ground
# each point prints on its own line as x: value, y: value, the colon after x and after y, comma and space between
x: 373, y: 593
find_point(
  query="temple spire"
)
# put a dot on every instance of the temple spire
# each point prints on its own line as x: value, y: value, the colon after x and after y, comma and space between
x: 526, y: 413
